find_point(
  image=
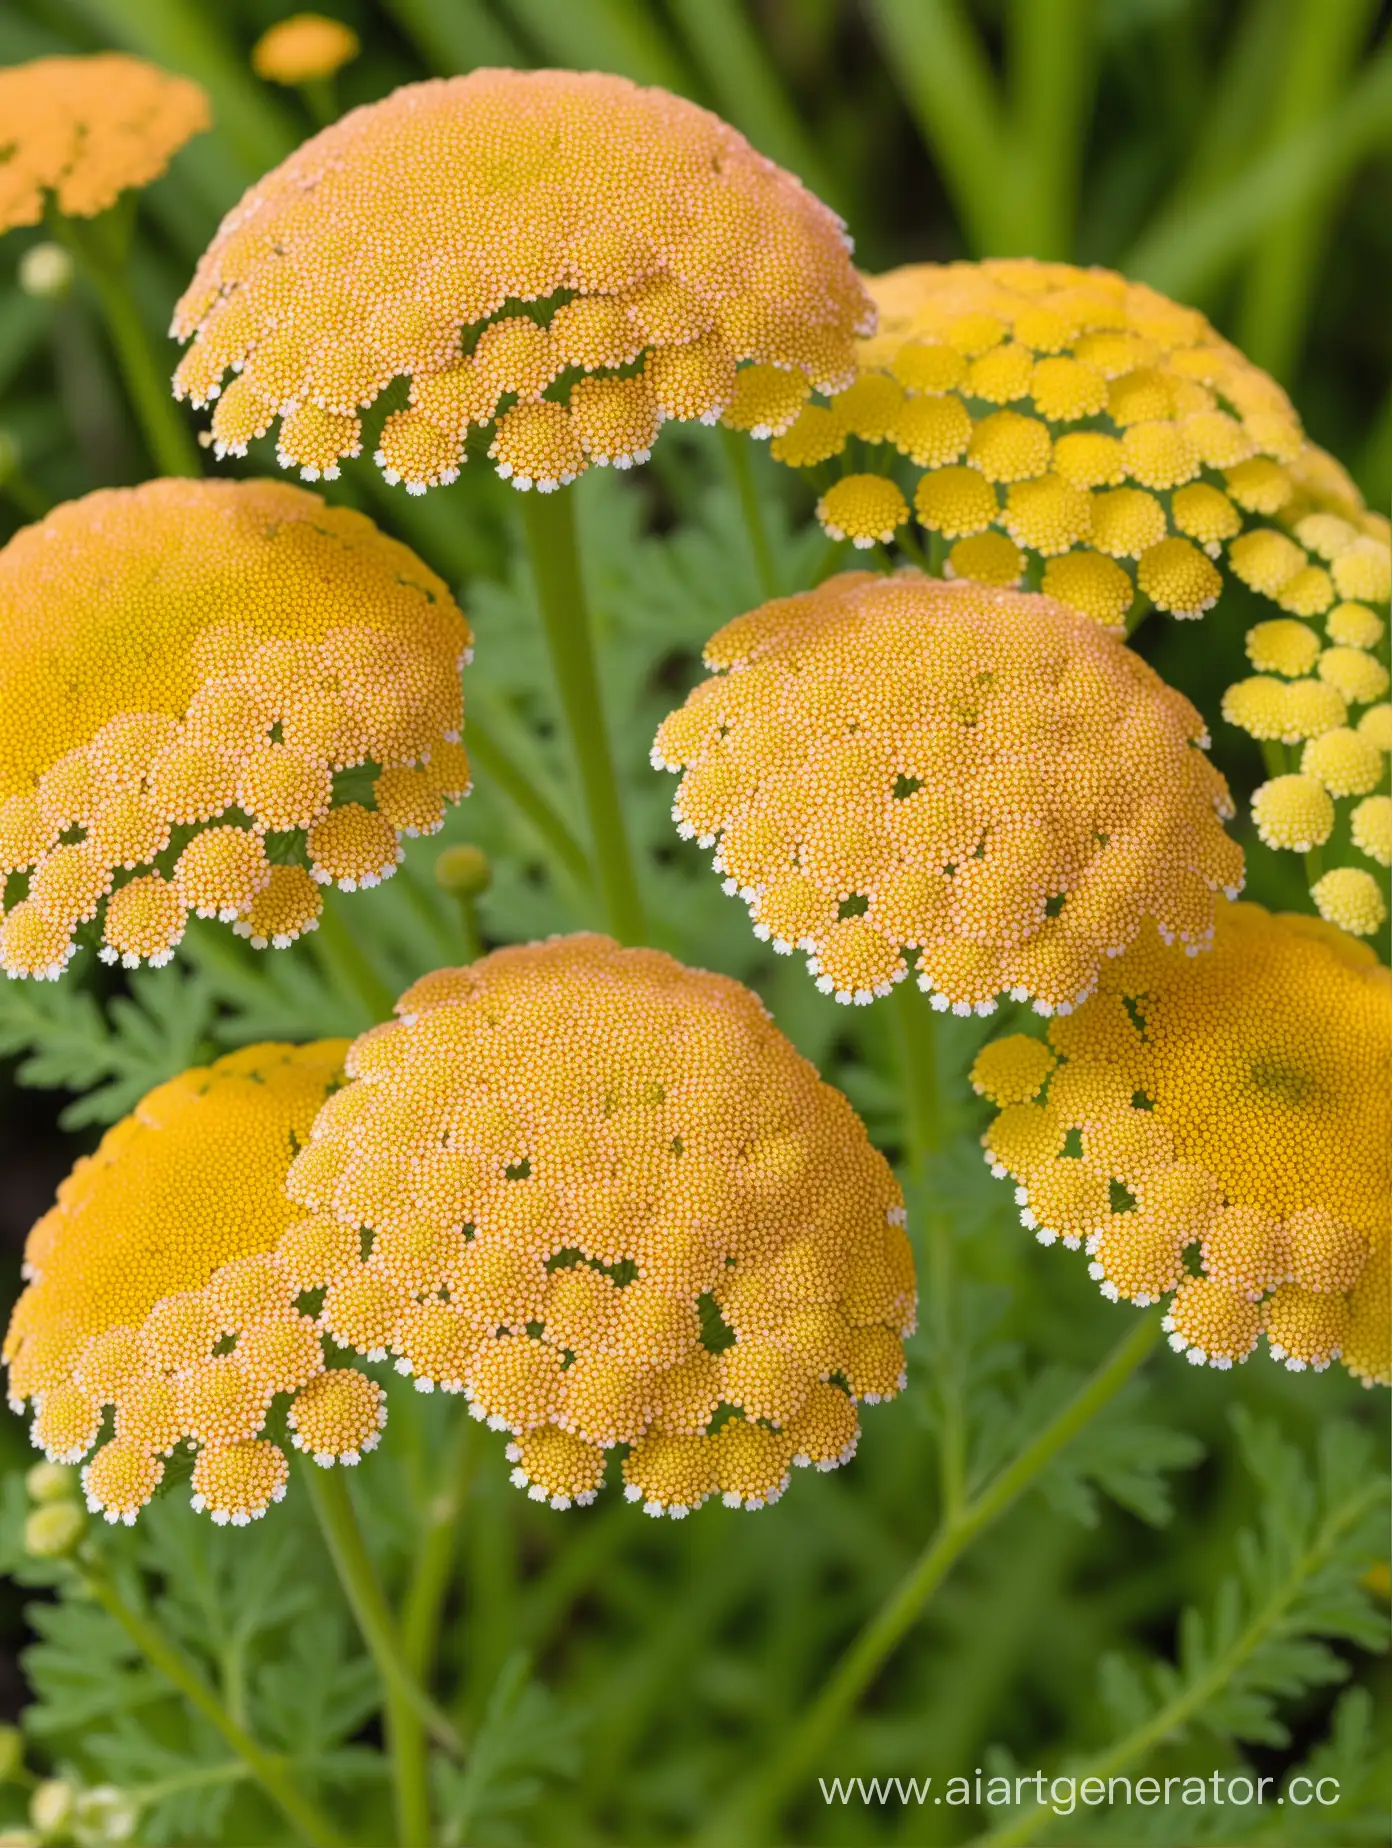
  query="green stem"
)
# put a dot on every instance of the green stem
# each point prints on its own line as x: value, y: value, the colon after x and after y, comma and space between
x: 1053, y: 78
x: 489, y: 752
x: 1274, y: 757
x: 270, y: 1771
x: 867, y: 1655
x: 549, y: 523
x: 430, y: 1574
x: 320, y: 100
x: 924, y: 1134
x: 1188, y: 1701
x: 340, y: 950
x: 338, y: 1521
x: 1141, y: 607
x: 737, y: 455
x: 98, y: 246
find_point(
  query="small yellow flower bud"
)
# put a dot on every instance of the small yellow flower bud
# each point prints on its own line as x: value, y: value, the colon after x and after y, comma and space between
x: 46, y: 272
x: 51, y: 1482
x: 54, y: 1530
x: 51, y: 1806
x: 464, y: 871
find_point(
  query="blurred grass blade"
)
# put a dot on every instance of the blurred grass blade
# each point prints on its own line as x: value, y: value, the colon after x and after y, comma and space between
x: 932, y: 49
x: 455, y: 35
x: 1194, y: 245
x: 186, y: 36
x: 1230, y: 122
x: 1053, y: 80
x: 1327, y: 38
x: 748, y: 91
x: 602, y: 35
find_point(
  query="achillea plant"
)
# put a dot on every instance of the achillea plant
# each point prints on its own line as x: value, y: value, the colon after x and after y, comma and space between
x: 203, y: 668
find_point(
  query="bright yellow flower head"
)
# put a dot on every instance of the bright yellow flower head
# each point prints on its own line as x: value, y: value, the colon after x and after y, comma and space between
x: 1221, y: 1129
x: 600, y: 1194
x: 85, y: 130
x: 196, y: 653
x: 1086, y: 418
x: 641, y: 249
x: 303, y: 49
x: 157, y: 1310
x: 892, y: 764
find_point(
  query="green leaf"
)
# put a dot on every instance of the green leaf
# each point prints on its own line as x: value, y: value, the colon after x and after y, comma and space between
x: 525, y: 1739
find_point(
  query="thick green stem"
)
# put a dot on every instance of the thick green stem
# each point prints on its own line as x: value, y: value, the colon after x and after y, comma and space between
x: 410, y: 1710
x: 270, y: 1771
x: 748, y: 1812
x: 549, y: 523
x: 99, y: 246
x: 345, y: 959
x: 737, y: 454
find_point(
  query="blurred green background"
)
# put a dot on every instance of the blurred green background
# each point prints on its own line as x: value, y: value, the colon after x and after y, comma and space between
x: 1239, y: 157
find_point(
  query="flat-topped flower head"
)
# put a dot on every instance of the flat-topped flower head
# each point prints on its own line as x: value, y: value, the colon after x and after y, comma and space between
x: 157, y: 1312
x: 306, y: 48
x: 1221, y: 1129
x: 558, y: 261
x: 978, y: 781
x: 1318, y: 706
x: 1067, y: 423
x: 232, y: 695
x: 602, y: 1196
x: 82, y: 131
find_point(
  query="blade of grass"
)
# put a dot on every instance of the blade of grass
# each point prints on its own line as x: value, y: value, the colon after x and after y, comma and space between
x: 746, y: 87
x: 1192, y: 246
x: 1053, y: 80
x: 454, y: 37
x: 603, y: 35
x: 1279, y: 291
x: 933, y: 52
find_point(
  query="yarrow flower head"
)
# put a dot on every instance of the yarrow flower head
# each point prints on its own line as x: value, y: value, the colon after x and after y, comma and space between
x: 232, y: 695
x: 1222, y: 1130
x: 891, y: 764
x: 1318, y: 706
x: 1085, y: 429
x: 165, y: 1302
x: 305, y: 48
x: 559, y: 258
x: 603, y: 1197
x: 82, y: 131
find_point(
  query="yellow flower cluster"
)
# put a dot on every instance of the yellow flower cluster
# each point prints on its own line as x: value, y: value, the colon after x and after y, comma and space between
x: 1039, y: 412
x: 985, y: 776
x: 195, y: 662
x: 602, y: 1196
x: 1223, y: 1130
x: 641, y: 248
x: 85, y: 130
x: 1318, y: 705
x: 303, y: 49
x: 159, y: 1308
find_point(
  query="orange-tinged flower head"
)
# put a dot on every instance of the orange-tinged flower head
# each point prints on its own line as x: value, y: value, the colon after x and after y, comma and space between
x: 602, y: 1196
x: 201, y: 667
x: 895, y: 764
x: 303, y: 49
x: 1110, y: 437
x: 84, y: 130
x: 558, y: 257
x: 158, y: 1307
x: 1222, y: 1130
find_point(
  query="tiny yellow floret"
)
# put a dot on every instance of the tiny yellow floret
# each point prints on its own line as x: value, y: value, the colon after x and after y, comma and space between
x: 305, y: 48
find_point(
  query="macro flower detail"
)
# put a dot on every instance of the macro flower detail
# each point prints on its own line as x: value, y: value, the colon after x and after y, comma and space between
x: 1220, y: 1130
x: 82, y: 131
x: 642, y: 249
x: 599, y: 1194
x: 1113, y: 441
x: 216, y: 679
x: 157, y: 1311
x: 893, y: 764
x: 303, y: 49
